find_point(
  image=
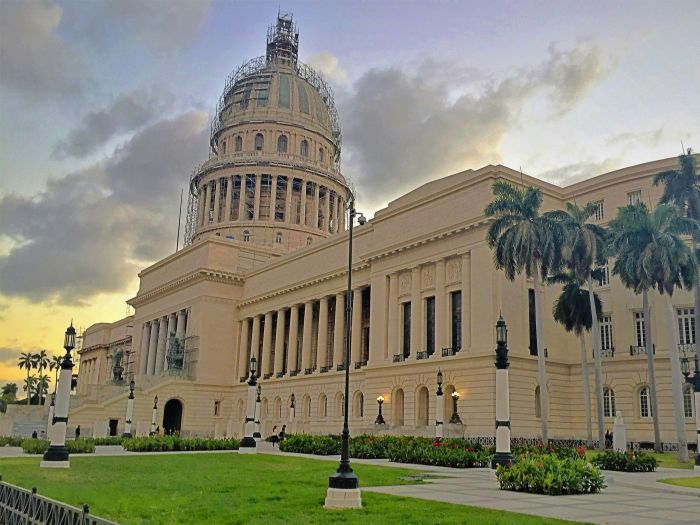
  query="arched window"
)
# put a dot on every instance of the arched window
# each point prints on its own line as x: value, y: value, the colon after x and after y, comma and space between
x: 321, y: 155
x: 359, y: 405
x: 323, y: 406
x: 304, y: 148
x: 241, y: 407
x: 278, y: 408
x: 397, y: 408
x: 309, y: 240
x: 449, y: 404
x: 263, y: 408
x: 246, y: 235
x: 239, y: 143
x: 223, y: 147
x: 688, y: 401
x: 282, y: 144
x: 538, y: 406
x: 422, y: 404
x: 645, y: 409
x: 278, y: 238
x: 259, y: 142
x: 339, y: 405
x: 608, y: 402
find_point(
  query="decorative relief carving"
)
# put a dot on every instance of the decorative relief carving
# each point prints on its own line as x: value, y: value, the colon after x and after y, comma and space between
x: 404, y: 282
x: 454, y: 269
x: 429, y: 276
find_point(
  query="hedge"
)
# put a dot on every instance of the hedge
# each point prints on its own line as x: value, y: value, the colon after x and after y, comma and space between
x: 74, y: 446
x: 550, y: 475
x: 630, y: 461
x: 177, y: 443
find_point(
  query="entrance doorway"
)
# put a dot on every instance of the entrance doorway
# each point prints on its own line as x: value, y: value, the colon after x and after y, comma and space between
x: 113, y: 427
x: 172, y: 417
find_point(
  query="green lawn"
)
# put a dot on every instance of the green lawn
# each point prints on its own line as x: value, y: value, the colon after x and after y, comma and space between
x: 693, y: 483
x: 665, y: 459
x: 233, y: 489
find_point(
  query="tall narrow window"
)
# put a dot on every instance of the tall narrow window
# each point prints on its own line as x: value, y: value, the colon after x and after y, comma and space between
x: 639, y: 334
x: 531, y: 318
x: 283, y: 92
x: 538, y: 405
x: 278, y: 238
x: 250, y: 197
x: 430, y: 325
x: 212, y: 197
x: 634, y: 197
x: 235, y: 197
x: 606, y: 334
x: 239, y: 143
x: 297, y: 186
x: 322, y: 196
x: 604, y: 278
x: 644, y: 402
x: 309, y: 240
x: 223, y: 147
x: 223, y: 188
x: 688, y: 401
x: 598, y: 215
x: 686, y: 325
x: 321, y: 155
x: 282, y: 144
x: 265, y: 197
x: 608, y: 402
x: 304, y: 148
x: 456, y: 324
x: 303, y: 98
x: 311, y: 189
x: 259, y: 142
x: 246, y: 235
x: 262, y: 97
x: 280, y: 197
x: 406, y: 329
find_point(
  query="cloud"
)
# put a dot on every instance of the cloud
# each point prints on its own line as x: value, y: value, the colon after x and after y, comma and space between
x: 128, y: 112
x: 401, y: 129
x: 579, y: 171
x: 327, y: 64
x: 649, y: 138
x: 35, y: 62
x: 9, y: 355
x: 90, y: 231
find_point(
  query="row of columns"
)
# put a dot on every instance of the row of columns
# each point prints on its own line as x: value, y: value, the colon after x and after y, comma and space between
x: 155, y: 341
x: 89, y: 373
x: 208, y: 212
x: 274, y: 366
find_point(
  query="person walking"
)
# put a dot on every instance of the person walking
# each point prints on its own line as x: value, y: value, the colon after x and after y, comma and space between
x: 274, y: 438
x: 77, y: 432
x: 283, y: 433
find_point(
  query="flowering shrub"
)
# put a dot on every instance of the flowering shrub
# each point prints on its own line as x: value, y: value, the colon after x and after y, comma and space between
x: 550, y: 475
x: 175, y: 443
x: 444, y: 453
x: 630, y: 461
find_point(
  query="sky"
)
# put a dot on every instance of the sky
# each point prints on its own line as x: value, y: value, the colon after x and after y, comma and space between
x: 105, y: 108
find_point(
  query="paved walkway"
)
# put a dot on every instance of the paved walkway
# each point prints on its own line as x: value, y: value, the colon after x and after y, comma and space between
x: 630, y: 499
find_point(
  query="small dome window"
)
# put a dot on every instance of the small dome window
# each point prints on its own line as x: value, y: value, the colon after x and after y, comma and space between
x: 304, y: 148
x: 223, y: 147
x: 259, y: 142
x: 282, y: 144
x: 309, y: 240
x: 278, y: 238
x: 239, y: 143
x: 321, y: 155
x: 246, y: 235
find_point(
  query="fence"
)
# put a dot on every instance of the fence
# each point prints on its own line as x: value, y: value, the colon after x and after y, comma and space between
x: 20, y: 506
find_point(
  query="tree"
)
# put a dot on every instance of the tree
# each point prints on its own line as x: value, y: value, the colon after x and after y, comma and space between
x: 525, y: 241
x: 657, y: 257
x: 55, y: 364
x: 584, y: 249
x: 29, y: 386
x: 42, y: 362
x: 27, y: 360
x: 682, y: 188
x: 628, y: 238
x: 10, y: 390
x: 572, y: 309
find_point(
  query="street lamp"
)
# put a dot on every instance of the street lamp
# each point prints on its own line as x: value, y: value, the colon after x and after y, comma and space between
x: 455, y: 419
x: 49, y: 425
x: 439, y: 408
x: 257, y: 434
x: 343, y: 486
x: 292, y: 413
x: 695, y: 381
x: 380, y: 417
x: 503, y: 455
x: 154, y: 415
x: 57, y: 454
x: 248, y: 443
x: 129, y: 410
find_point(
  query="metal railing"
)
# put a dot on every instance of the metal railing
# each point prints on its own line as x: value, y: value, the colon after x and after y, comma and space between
x: 20, y: 506
x: 423, y: 355
x: 605, y: 352
x: 309, y: 371
x: 293, y: 373
x: 325, y: 369
x: 687, y: 348
x: 243, y: 379
x: 641, y: 350
x: 398, y: 358
x: 279, y: 375
x: 340, y: 367
x: 268, y: 376
x: 450, y: 351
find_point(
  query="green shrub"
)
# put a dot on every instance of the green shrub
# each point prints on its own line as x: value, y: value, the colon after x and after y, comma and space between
x: 80, y: 446
x: 177, y: 443
x: 306, y: 444
x: 447, y: 453
x: 550, y: 475
x: 34, y: 446
x: 11, y: 441
x: 630, y: 461
x: 110, y: 440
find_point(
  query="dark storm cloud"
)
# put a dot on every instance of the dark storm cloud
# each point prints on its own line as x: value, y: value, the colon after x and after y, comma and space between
x: 402, y: 129
x: 128, y: 112
x: 90, y: 231
x: 9, y: 355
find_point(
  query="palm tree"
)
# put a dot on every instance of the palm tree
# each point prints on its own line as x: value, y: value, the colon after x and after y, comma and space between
x: 572, y: 309
x: 584, y: 249
x: 42, y: 387
x: 628, y: 237
x: 682, y: 188
x: 42, y: 361
x: 10, y: 390
x: 29, y: 386
x: 27, y: 360
x: 661, y: 259
x: 523, y: 240
x: 55, y: 364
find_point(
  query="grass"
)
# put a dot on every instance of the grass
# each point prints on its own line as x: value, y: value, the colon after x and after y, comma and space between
x: 232, y: 489
x: 665, y: 459
x: 693, y: 483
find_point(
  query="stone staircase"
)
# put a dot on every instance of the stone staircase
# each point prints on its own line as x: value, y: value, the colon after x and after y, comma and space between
x: 30, y: 421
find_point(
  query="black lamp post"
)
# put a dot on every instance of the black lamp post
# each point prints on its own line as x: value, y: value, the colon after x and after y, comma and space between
x: 503, y: 455
x: 439, y: 408
x: 57, y: 453
x: 345, y: 479
x: 380, y: 417
x: 695, y: 381
x: 154, y: 415
x: 129, y: 410
x: 257, y: 434
x: 455, y: 419
x: 248, y: 444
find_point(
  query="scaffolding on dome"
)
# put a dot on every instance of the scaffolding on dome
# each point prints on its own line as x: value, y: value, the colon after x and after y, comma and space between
x: 283, y: 41
x: 192, y: 206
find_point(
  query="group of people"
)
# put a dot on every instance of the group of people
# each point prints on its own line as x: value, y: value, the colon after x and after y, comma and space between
x: 278, y: 438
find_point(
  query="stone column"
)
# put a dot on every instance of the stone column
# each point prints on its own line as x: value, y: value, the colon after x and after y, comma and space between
x: 243, y: 349
x: 217, y: 198
x: 342, y: 215
x: 322, y: 338
x: 327, y: 211
x: 288, y: 201
x: 227, y: 199
x: 266, y: 361
x: 302, y: 218
x: 202, y: 205
x: 339, y: 332
x: 466, y: 303
x: 306, y: 336
x: 207, y: 199
x: 162, y: 340
x: 153, y: 347
x: 241, y: 201
x: 172, y: 330
x: 440, y: 309
x: 393, y: 316
x: 256, y: 202
x: 279, y: 344
x: 293, y: 346
x: 273, y: 197
x: 143, y: 357
x: 317, y: 200
x: 356, y: 328
x: 416, y: 311
x: 181, y: 324
x: 255, y: 341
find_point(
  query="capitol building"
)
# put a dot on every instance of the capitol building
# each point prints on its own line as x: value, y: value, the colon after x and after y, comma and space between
x: 264, y: 273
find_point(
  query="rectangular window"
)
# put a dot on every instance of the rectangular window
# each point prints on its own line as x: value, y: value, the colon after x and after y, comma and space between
x: 332, y: 210
x: 265, y: 196
x: 322, y: 195
x: 235, y: 197
x: 430, y: 325
x: 222, y: 199
x: 686, y: 325
x: 250, y: 197
x: 212, y: 196
x: 280, y: 197
x: 606, y: 334
x: 456, y: 324
x: 639, y: 334
x: 533, y: 326
x: 296, y: 200
x: 406, y: 307
x: 303, y: 98
x: 262, y: 97
x: 217, y: 407
x: 311, y: 188
x: 599, y: 215
x: 283, y: 96
x: 604, y: 279
x: 634, y: 197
